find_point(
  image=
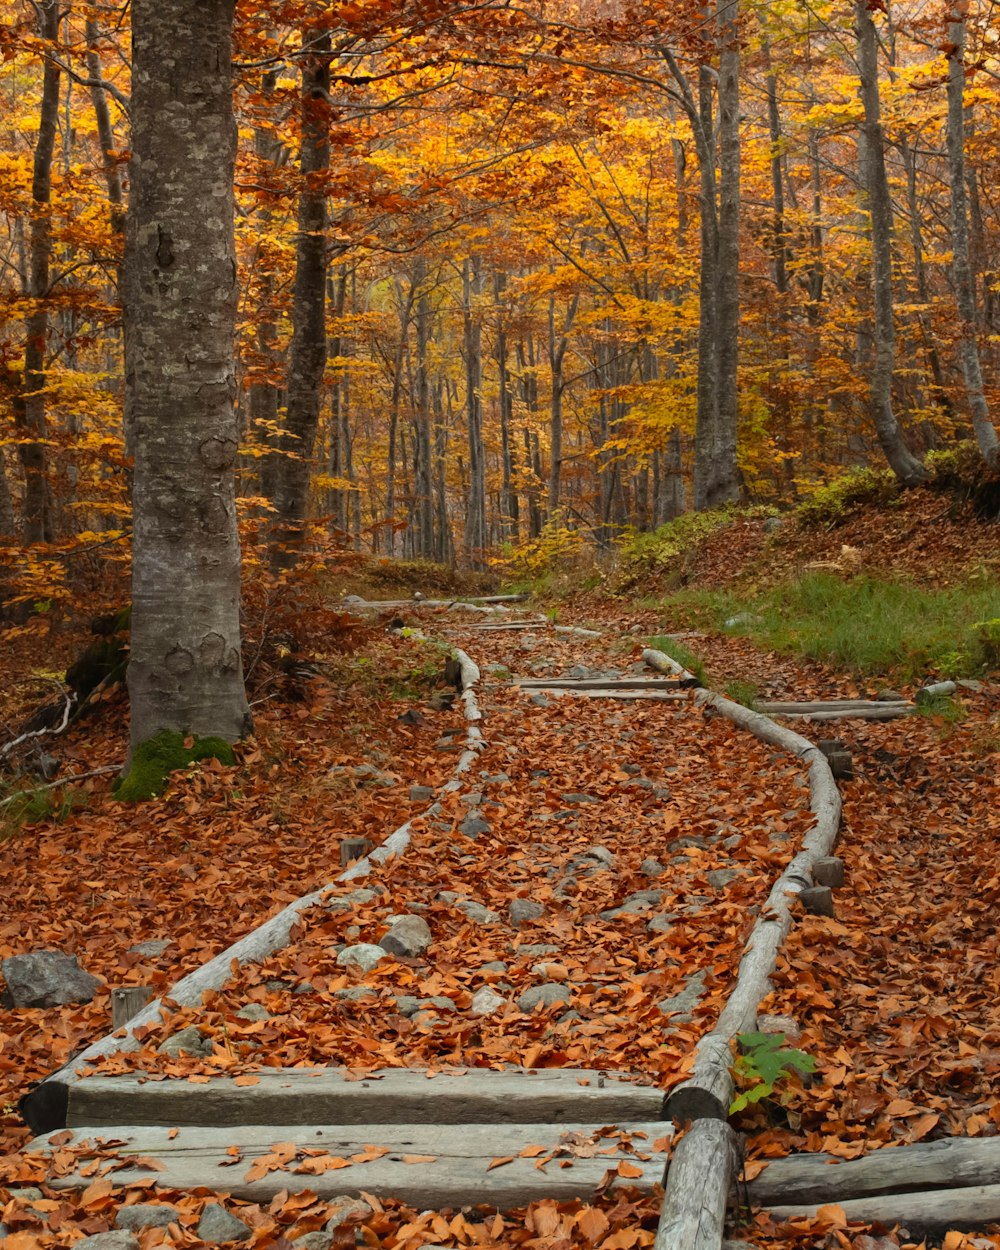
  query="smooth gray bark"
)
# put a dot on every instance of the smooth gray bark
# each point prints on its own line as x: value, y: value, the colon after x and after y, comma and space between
x: 307, y: 354
x: 906, y: 466
x: 105, y: 130
x: 961, y: 267
x: 185, y: 671
x: 475, y: 504
x: 37, y: 509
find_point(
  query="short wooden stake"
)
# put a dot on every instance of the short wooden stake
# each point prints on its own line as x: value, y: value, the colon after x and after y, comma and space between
x: 838, y: 757
x: 829, y: 870
x: 818, y: 899
x: 127, y: 1001
x: 354, y: 848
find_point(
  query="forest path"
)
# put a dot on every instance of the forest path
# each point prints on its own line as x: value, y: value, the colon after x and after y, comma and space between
x: 577, y: 798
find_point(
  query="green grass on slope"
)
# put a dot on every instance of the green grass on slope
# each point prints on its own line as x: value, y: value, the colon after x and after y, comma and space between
x: 864, y: 624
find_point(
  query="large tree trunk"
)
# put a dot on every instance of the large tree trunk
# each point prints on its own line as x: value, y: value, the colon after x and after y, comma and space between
x: 307, y: 354
x: 185, y: 671
x: 37, y: 494
x: 901, y: 460
x: 961, y: 268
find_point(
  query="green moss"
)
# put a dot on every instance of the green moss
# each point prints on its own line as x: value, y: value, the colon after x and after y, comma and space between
x: 155, y: 759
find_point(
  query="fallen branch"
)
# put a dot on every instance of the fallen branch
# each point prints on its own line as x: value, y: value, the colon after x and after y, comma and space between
x: 46, y: 730
x: 693, y: 1215
x: 64, y: 781
x: 920, y: 1213
x: 666, y: 664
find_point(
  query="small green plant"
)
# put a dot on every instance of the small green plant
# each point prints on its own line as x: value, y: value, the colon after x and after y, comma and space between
x: 744, y: 692
x: 678, y: 652
x: 34, y: 804
x: 943, y: 707
x: 763, y: 1061
x: 988, y: 638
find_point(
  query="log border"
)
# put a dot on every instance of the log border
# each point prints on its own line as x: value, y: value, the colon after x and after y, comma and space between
x: 44, y: 1108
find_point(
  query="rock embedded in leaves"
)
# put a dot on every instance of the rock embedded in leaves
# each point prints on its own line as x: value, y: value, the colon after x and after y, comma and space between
x: 409, y: 936
x: 146, y: 1215
x: 719, y: 878
x: 652, y: 868
x: 120, y: 1239
x: 363, y: 955
x: 354, y: 898
x: 218, y: 1225
x: 421, y: 794
x: 189, y: 1041
x: 486, y: 1001
x: 549, y: 995
x: 253, y: 1011
x: 523, y: 911
x: 151, y: 948
x: 348, y: 1211
x: 474, y: 824
x: 46, y: 979
x: 683, y: 1003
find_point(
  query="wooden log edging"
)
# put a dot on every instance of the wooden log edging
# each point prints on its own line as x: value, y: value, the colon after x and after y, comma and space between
x: 44, y: 1107
x: 695, y: 1193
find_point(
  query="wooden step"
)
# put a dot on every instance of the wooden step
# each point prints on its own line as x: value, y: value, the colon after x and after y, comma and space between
x: 388, y: 1096
x: 424, y: 1165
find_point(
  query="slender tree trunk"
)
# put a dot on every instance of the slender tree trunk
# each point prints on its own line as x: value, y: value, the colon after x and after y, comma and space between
x: 723, y: 486
x: 475, y: 507
x: 422, y: 468
x: 961, y: 267
x: 509, y: 523
x: 405, y: 312
x: 105, y: 131
x: 901, y: 460
x: 558, y: 343
x: 37, y: 515
x: 185, y: 671
x: 307, y: 354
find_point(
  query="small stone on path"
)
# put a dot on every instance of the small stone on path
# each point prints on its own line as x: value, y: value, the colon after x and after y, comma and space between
x: 187, y: 1041
x: 719, y: 878
x: 486, y: 1001
x: 147, y: 1215
x: 651, y: 868
x: 524, y: 910
x: 365, y: 955
x: 253, y: 1011
x: 151, y: 948
x: 474, y: 824
x: 549, y: 994
x: 117, y: 1240
x: 421, y: 794
x: 410, y: 936
x: 684, y: 1002
x: 218, y: 1225
x: 348, y: 1209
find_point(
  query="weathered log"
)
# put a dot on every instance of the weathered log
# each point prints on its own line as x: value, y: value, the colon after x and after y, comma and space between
x: 693, y: 1215
x: 889, y: 711
x: 709, y: 1089
x: 921, y: 1214
x: 809, y: 706
x: 609, y: 692
x: 599, y: 683
x: 952, y: 1163
x: 829, y: 870
x: 457, y: 1166
x: 934, y: 691
x: 664, y: 663
x: 44, y: 1107
x: 386, y: 1096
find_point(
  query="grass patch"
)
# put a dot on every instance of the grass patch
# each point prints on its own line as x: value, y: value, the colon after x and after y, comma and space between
x: 863, y: 624
x: 37, y: 803
x: 685, y: 658
x: 744, y: 692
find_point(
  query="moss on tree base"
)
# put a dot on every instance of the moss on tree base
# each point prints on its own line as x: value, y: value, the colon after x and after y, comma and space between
x: 155, y: 759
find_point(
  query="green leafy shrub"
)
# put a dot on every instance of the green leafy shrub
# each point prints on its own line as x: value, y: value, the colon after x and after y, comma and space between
x: 834, y: 502
x: 37, y: 803
x: 155, y: 759
x: 764, y: 1060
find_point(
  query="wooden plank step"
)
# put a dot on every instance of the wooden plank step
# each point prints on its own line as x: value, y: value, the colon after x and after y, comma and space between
x: 599, y: 683
x: 388, y: 1096
x: 425, y: 1165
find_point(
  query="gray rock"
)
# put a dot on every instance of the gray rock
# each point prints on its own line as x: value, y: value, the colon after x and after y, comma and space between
x: 495, y: 965
x: 661, y: 924
x: 316, y: 1240
x: 579, y: 672
x: 473, y: 799
x: 787, y: 1025
x: 188, y: 1041
x: 277, y: 985
x: 407, y: 1004
x: 46, y: 979
x: 348, y: 1211
x: 549, y: 994
x: 719, y: 878
x: 498, y: 670
x: 635, y: 904
x: 773, y: 524
x: 970, y: 683
x: 152, y: 948
x: 633, y: 770
x: 889, y: 696
x: 364, y: 955
x: 469, y: 907
x: 684, y: 1002
x: 354, y: 993
x: 494, y: 779
x: 118, y: 1240
x: 539, y: 948
x: 26, y: 1193
x: 733, y: 841
x: 486, y: 1001
x: 652, y: 868
x: 579, y: 798
x: 524, y: 910
x: 304, y: 987
x: 540, y: 700
x: 253, y: 1011
x: 216, y: 1224
x: 540, y: 667
x: 474, y: 824
x: 146, y: 1215
x: 352, y: 899
x: 601, y: 854
x: 410, y: 936
x: 421, y: 794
